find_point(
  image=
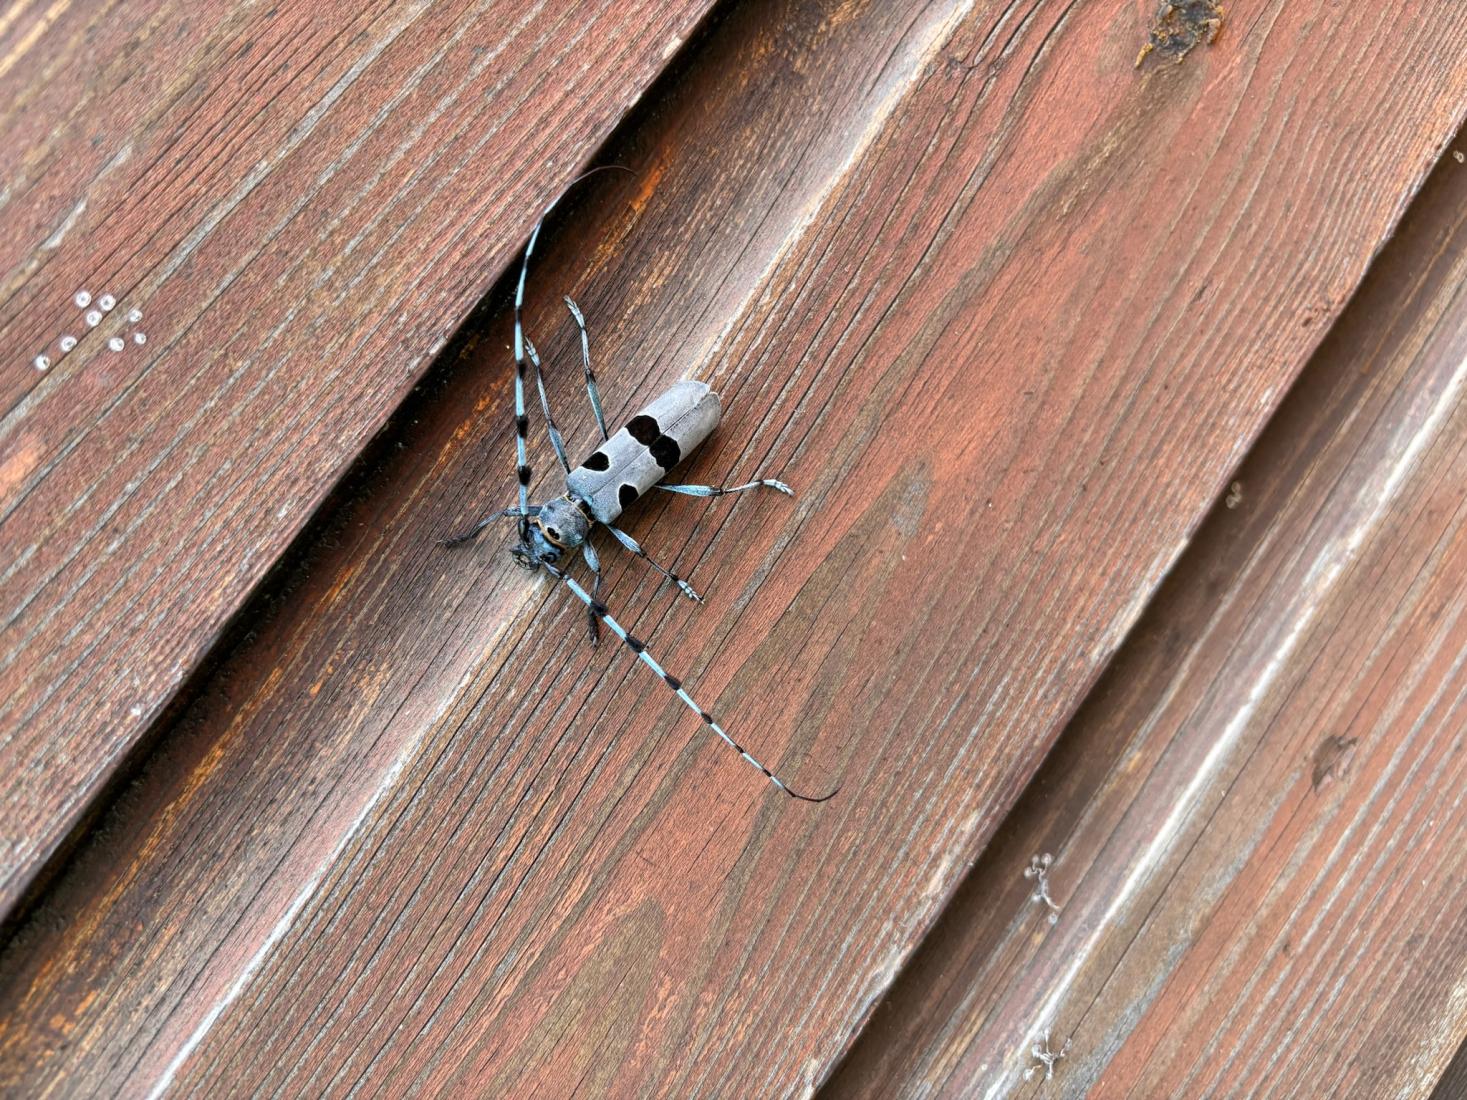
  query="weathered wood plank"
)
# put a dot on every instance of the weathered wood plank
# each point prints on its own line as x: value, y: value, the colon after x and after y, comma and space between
x: 303, y: 201
x: 1258, y: 817
x: 1004, y: 310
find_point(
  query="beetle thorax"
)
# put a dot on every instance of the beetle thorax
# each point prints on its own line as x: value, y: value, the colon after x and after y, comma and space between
x: 563, y: 523
x: 560, y: 526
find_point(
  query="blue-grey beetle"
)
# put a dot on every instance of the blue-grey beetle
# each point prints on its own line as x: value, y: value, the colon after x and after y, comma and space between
x: 625, y: 466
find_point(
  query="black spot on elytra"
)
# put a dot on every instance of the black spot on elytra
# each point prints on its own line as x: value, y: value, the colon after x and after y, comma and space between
x: 644, y: 429
x: 626, y: 494
x: 598, y: 462
x: 666, y: 451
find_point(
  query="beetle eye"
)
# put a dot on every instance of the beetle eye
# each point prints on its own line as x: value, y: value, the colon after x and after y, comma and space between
x: 552, y: 534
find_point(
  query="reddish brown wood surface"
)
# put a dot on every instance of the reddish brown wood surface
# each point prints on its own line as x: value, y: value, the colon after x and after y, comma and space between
x: 1258, y: 817
x: 303, y: 201
x: 1003, y: 309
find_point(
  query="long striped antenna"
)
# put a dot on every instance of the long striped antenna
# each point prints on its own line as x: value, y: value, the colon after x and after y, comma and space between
x: 521, y: 421
x: 637, y: 646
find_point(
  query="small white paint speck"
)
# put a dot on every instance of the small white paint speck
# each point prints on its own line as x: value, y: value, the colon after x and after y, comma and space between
x: 1459, y: 156
x: 116, y: 343
x: 281, y: 511
x: 106, y: 301
x: 83, y: 299
x: 140, y: 338
x: 68, y: 342
x: 134, y: 315
x: 136, y: 712
x: 93, y: 318
x: 42, y: 362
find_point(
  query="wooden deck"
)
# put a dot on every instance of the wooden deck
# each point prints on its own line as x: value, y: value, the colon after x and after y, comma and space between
x: 1124, y: 407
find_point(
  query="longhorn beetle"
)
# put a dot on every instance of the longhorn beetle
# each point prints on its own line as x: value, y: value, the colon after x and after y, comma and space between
x: 625, y: 466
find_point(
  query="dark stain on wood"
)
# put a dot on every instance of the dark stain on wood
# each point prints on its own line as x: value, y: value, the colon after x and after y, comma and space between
x: 1331, y: 759
x: 1180, y: 26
